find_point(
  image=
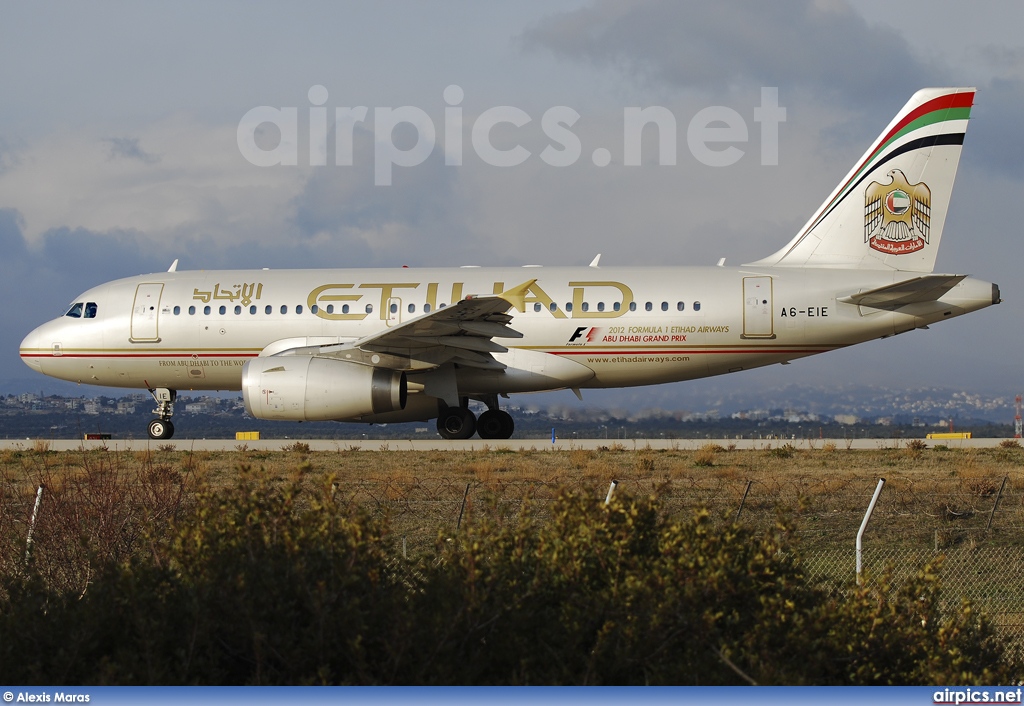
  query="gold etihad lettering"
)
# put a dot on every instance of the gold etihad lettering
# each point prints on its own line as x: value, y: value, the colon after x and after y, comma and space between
x: 387, y: 293
x: 317, y: 296
x: 582, y: 291
x: 579, y: 296
x: 242, y: 293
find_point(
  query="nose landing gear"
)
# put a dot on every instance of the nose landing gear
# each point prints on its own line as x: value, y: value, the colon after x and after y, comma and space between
x: 161, y: 427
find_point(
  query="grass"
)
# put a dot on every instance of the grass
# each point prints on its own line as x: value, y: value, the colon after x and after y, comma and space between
x: 106, y: 503
x: 927, y: 489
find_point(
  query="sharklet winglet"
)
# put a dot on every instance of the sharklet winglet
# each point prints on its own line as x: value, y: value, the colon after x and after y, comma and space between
x: 517, y: 295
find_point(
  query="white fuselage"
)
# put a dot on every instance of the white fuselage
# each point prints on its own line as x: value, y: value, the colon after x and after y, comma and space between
x: 404, y: 344
x: 583, y: 326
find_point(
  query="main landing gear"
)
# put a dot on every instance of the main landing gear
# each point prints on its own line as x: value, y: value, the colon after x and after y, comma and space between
x: 161, y: 427
x: 460, y: 423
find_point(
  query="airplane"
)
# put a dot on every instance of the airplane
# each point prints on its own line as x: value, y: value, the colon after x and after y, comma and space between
x: 412, y: 344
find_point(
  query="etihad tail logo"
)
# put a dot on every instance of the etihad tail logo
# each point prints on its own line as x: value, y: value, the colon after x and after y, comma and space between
x: 897, y: 215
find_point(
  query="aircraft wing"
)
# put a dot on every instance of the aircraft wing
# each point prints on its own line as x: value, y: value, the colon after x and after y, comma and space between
x: 893, y: 296
x: 462, y: 333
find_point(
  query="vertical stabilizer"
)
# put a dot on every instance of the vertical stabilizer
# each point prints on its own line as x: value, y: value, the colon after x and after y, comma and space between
x: 889, y: 211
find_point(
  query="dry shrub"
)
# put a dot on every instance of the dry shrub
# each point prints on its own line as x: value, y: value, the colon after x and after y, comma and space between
x: 95, y: 508
x: 967, y: 463
x: 914, y: 448
x: 488, y: 469
x: 979, y: 481
x: 1009, y: 444
x: 644, y: 463
x: 828, y: 447
x: 705, y: 456
x: 599, y: 469
x: 787, y: 450
x: 579, y: 458
x: 729, y: 473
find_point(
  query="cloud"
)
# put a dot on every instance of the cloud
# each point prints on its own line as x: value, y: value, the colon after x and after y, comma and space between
x: 191, y: 177
x: 340, y: 206
x: 128, y: 148
x: 124, y: 192
x: 12, y: 245
x: 822, y: 47
x: 994, y: 135
x: 37, y: 280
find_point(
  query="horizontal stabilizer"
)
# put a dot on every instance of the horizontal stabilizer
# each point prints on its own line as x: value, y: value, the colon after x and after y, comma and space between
x: 893, y: 296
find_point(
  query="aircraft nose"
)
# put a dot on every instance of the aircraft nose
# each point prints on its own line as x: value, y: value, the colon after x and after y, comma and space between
x: 31, y: 349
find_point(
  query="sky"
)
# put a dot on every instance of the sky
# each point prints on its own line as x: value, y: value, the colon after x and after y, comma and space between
x: 124, y: 138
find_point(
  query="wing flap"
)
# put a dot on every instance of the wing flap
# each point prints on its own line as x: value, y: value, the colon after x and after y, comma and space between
x: 893, y: 296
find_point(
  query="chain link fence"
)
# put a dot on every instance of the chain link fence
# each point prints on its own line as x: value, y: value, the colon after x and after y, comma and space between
x: 966, y: 506
x: 990, y: 577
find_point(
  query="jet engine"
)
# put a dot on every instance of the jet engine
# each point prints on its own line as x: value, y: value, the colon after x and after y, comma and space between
x: 306, y: 388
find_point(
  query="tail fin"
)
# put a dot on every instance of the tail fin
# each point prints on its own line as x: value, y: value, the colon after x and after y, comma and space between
x: 889, y: 210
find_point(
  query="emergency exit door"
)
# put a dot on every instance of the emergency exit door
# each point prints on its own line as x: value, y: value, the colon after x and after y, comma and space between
x: 757, y: 308
x: 394, y: 312
x: 145, y: 313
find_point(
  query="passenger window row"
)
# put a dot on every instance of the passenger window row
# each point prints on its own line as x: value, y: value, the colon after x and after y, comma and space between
x: 88, y: 310
x: 76, y: 310
x: 617, y: 306
x: 268, y: 309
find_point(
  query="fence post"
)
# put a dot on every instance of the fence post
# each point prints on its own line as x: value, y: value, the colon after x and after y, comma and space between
x: 611, y: 491
x: 864, y: 523
x: 742, y: 501
x: 996, y: 506
x: 463, y: 508
x: 32, y: 525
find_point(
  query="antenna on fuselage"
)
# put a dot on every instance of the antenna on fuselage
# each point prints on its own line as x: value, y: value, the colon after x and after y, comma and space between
x: 174, y: 266
x: 596, y: 260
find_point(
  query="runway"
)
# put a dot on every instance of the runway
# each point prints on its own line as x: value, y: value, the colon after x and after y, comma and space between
x: 439, y: 444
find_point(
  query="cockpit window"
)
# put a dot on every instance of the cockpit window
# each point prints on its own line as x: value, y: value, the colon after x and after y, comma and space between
x: 90, y: 310
x: 75, y: 312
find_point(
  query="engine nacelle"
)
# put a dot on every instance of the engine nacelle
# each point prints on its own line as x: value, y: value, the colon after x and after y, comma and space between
x: 305, y: 388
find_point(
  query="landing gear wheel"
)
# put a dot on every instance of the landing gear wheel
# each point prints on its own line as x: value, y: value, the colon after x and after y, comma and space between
x: 456, y: 423
x: 495, y: 424
x: 161, y: 429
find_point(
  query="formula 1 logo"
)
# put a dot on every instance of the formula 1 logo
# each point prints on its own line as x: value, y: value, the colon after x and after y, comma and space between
x: 583, y: 335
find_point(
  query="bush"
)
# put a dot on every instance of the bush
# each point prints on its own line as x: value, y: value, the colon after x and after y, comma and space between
x: 269, y: 585
x: 785, y: 451
x: 254, y: 587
